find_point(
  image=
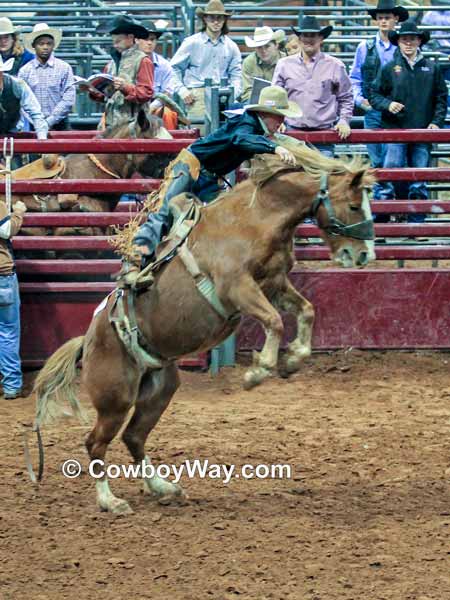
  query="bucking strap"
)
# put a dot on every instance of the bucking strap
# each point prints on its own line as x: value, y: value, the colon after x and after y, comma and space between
x: 203, y: 283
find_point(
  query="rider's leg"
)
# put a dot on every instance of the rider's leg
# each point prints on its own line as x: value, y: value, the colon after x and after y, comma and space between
x: 180, y: 177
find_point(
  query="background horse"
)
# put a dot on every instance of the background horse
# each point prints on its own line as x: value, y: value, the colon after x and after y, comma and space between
x: 244, y: 245
x: 102, y: 166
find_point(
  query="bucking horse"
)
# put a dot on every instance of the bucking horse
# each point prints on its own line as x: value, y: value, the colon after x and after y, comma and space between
x: 234, y: 262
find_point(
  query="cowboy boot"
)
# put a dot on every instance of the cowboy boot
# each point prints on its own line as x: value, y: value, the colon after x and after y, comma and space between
x: 129, y: 270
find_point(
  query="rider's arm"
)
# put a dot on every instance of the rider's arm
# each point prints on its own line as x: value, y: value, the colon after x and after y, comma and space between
x: 245, y: 138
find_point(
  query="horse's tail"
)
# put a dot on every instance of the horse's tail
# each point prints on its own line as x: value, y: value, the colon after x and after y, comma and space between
x: 55, y: 383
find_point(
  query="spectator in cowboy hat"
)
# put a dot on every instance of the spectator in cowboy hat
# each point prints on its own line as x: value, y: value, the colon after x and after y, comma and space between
x: 50, y: 78
x: 11, y: 47
x: 132, y: 70
x: 210, y: 54
x: 371, y: 55
x: 261, y: 62
x: 164, y: 76
x: 411, y: 93
x: 318, y: 83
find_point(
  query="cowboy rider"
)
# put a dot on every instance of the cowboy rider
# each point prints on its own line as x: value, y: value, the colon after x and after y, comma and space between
x: 197, y: 169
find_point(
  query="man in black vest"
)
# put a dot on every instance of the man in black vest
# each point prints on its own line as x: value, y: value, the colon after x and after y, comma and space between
x: 371, y: 56
x: 16, y: 95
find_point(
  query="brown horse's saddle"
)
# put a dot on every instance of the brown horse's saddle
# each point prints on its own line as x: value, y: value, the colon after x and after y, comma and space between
x: 48, y: 167
x: 186, y: 212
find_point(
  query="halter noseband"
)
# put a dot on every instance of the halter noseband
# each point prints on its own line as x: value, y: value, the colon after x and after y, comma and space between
x: 363, y: 230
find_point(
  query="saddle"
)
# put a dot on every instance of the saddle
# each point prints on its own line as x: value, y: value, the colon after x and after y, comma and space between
x: 47, y: 167
x: 186, y: 212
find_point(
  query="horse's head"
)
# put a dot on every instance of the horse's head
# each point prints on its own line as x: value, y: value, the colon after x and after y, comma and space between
x: 342, y: 210
x: 144, y: 126
x: 149, y: 126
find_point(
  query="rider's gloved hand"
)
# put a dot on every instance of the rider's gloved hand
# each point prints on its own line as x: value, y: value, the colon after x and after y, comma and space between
x: 285, y: 155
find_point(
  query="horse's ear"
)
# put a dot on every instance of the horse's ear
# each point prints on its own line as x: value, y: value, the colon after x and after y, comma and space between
x: 358, y: 179
x: 142, y: 120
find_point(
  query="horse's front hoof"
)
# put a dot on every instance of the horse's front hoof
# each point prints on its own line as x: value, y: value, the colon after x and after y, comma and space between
x: 255, y: 376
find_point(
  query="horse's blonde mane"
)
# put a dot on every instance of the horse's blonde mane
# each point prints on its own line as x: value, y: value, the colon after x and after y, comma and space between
x: 314, y: 163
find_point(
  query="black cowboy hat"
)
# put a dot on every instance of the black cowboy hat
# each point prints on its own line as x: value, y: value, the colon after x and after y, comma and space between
x: 388, y: 6
x: 151, y: 28
x: 123, y: 24
x: 409, y: 28
x: 311, y: 25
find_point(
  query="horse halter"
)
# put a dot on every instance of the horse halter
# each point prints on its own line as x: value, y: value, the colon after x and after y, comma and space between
x: 363, y: 230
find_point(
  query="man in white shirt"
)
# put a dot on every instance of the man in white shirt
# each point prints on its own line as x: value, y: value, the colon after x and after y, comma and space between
x: 210, y: 54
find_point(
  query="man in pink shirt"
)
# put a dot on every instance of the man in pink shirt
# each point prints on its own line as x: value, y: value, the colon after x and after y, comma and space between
x: 318, y: 83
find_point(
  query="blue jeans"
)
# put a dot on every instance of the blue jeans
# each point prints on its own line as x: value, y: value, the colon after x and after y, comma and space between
x: 10, y: 333
x: 158, y: 224
x: 376, y: 152
x: 407, y: 155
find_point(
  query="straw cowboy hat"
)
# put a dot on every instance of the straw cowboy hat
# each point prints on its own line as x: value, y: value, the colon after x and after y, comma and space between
x: 7, y: 65
x: 409, y: 28
x: 41, y: 29
x: 214, y: 7
x: 388, y: 6
x: 311, y: 25
x: 7, y: 27
x: 273, y: 99
x: 264, y: 35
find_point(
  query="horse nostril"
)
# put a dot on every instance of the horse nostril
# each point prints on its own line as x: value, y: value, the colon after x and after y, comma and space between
x: 363, y: 259
x: 345, y: 257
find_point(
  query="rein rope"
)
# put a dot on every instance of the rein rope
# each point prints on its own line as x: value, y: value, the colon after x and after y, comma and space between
x: 101, y: 166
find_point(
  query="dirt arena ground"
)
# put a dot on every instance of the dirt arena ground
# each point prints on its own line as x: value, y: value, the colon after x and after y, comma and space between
x: 366, y: 515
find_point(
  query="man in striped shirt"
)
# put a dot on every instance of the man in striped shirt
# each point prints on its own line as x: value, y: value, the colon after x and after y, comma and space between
x: 50, y: 78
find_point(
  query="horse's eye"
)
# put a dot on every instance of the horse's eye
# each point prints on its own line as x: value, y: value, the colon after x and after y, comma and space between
x: 354, y: 208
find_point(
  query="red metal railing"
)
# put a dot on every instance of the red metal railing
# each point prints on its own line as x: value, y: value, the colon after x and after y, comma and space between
x: 392, y: 294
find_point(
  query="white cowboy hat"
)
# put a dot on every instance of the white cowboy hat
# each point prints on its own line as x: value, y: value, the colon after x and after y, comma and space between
x: 7, y: 27
x: 6, y: 66
x: 273, y: 99
x: 264, y: 35
x: 42, y: 29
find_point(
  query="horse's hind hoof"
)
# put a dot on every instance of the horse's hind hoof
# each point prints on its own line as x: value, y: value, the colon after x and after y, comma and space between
x: 180, y: 498
x: 292, y: 364
x: 255, y: 376
x: 118, y: 507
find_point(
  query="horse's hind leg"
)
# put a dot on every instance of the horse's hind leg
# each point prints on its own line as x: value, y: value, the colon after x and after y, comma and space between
x: 112, y: 396
x: 290, y: 301
x: 155, y: 393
